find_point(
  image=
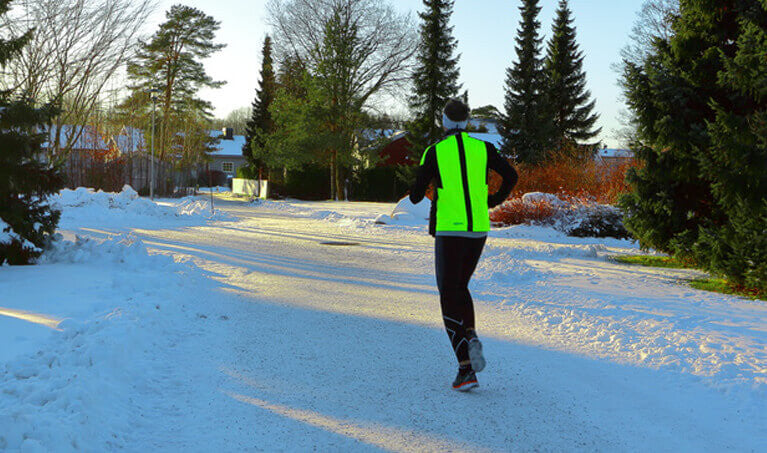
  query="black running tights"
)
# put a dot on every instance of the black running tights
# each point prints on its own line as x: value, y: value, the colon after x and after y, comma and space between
x: 455, y: 261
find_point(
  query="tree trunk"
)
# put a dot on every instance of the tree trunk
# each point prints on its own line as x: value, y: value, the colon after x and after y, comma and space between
x: 332, y: 174
x: 339, y: 184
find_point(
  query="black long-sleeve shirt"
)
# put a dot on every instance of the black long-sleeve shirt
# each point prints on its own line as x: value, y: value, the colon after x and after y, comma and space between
x: 430, y: 171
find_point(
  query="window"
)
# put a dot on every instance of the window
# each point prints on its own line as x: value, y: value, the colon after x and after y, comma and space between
x: 227, y: 167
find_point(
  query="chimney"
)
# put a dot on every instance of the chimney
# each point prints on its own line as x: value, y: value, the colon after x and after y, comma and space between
x: 228, y: 133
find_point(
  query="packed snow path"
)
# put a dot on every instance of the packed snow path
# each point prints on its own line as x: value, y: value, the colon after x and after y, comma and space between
x: 302, y: 345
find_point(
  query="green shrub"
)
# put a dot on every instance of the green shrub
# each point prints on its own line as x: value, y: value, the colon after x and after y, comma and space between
x: 247, y: 172
x: 377, y: 184
x: 311, y: 182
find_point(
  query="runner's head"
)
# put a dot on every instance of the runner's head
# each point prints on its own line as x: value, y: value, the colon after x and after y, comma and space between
x: 455, y: 115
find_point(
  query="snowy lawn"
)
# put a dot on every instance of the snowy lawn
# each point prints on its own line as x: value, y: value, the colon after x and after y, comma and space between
x: 244, y: 332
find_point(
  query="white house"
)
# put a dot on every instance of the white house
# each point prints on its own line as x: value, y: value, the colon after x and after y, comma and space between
x: 227, y: 157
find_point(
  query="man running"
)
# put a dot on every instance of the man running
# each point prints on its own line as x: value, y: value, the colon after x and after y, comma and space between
x: 459, y: 221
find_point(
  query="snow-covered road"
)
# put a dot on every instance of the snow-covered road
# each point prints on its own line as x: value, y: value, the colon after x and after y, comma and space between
x: 291, y: 344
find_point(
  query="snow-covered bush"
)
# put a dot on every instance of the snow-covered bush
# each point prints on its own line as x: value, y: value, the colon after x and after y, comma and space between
x: 593, y: 220
x: 573, y: 216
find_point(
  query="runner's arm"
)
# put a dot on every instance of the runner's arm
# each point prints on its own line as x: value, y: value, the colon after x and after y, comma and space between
x: 498, y: 164
x: 426, y: 172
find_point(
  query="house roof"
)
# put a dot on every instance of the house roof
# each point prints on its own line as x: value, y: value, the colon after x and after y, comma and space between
x: 490, y: 123
x: 228, y: 147
x: 614, y: 152
x: 87, y: 137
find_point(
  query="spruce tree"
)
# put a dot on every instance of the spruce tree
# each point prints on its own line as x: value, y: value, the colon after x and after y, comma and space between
x: 435, y: 78
x: 736, y: 162
x: 26, y: 219
x: 568, y: 99
x: 699, y: 101
x: 526, y: 127
x: 261, y: 124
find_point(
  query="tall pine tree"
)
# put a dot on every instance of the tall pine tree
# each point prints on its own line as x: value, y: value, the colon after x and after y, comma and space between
x: 568, y: 99
x: 261, y: 124
x: 26, y: 219
x: 435, y: 78
x: 171, y: 62
x: 526, y: 127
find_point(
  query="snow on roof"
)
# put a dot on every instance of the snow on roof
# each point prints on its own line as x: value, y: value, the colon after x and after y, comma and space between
x: 87, y: 137
x: 228, y: 147
x: 613, y: 152
x: 375, y: 134
x: 490, y: 123
x: 495, y: 139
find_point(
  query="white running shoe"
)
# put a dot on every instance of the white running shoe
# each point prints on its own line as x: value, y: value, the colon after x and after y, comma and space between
x: 475, y: 354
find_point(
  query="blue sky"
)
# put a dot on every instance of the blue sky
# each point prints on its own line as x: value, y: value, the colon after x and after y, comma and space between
x: 485, y: 30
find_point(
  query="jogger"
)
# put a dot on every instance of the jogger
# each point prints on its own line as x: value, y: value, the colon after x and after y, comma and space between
x: 459, y: 221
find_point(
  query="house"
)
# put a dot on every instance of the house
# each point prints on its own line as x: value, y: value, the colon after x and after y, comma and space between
x: 614, y: 156
x: 227, y: 157
x: 397, y: 151
x: 129, y: 140
x: 490, y: 125
x: 77, y: 139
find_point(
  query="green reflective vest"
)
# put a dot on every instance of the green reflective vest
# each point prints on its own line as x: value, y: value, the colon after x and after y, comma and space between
x: 462, y: 197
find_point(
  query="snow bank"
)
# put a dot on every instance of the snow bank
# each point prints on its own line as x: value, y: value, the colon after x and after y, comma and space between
x: 86, y: 207
x: 85, y: 388
x: 217, y: 189
x: 407, y: 213
x: 541, y: 197
x: 575, y: 217
x: 123, y: 248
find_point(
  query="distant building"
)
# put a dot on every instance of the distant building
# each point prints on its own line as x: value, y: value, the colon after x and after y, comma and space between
x: 227, y: 157
x: 397, y: 151
x: 490, y: 124
x: 614, y: 156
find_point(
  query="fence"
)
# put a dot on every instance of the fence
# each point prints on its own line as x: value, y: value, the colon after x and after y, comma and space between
x: 91, y: 169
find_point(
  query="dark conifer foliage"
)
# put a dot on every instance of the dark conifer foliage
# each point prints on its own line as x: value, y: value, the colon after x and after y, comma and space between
x: 261, y: 124
x: 436, y: 74
x: 700, y: 101
x: 26, y: 219
x: 526, y: 126
x: 569, y: 102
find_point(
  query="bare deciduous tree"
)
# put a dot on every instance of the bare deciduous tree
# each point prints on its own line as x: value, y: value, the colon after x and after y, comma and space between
x: 653, y: 21
x: 385, y: 41
x: 78, y: 47
x: 360, y: 49
x: 237, y: 119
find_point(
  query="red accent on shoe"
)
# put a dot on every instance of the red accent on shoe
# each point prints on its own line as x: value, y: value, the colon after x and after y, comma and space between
x: 465, y: 383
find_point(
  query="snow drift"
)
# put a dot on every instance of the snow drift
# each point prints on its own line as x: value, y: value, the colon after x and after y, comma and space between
x: 83, y: 389
x: 407, y: 213
x: 127, y: 208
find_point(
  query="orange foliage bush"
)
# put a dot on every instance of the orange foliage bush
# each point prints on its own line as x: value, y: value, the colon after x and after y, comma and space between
x: 514, y: 212
x: 571, y: 178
